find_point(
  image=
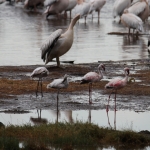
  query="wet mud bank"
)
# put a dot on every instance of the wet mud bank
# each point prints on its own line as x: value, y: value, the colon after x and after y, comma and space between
x: 17, y: 90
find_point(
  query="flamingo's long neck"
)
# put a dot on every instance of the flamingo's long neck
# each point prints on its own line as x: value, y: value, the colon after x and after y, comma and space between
x: 126, y: 77
x: 100, y: 72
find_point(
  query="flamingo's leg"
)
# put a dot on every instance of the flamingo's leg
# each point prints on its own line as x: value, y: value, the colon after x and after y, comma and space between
x: 115, y: 99
x: 108, y: 120
x: 90, y: 91
x: 115, y: 111
x: 107, y: 109
x: 57, y: 103
x: 41, y: 88
x: 115, y: 120
x: 37, y: 88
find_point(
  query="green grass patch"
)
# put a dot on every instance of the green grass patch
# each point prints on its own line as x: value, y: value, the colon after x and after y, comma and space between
x: 69, y: 135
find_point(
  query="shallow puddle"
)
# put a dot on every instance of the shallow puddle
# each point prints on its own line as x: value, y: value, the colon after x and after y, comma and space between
x: 125, y: 119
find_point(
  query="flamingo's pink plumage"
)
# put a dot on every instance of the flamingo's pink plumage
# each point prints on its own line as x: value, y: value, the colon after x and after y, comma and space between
x: 116, y: 84
x: 91, y: 77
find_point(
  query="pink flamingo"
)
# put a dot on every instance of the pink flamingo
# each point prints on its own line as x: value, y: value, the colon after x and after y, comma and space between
x: 91, y: 77
x: 116, y: 84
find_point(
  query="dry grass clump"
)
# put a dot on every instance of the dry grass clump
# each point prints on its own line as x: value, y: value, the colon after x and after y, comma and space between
x: 72, y: 135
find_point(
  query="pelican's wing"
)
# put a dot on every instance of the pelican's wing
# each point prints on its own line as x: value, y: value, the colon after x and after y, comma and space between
x: 137, y: 8
x: 49, y: 2
x: 49, y: 43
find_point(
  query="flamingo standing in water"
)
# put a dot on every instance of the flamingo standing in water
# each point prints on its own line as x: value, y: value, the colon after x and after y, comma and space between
x: 91, y: 77
x: 39, y: 72
x: 116, y: 84
x: 59, y: 84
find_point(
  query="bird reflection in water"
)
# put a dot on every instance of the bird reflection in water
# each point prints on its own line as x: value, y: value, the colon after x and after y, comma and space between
x: 39, y: 120
x: 114, y: 120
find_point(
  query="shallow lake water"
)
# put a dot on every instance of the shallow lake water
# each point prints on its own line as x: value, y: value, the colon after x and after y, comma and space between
x: 23, y: 32
x: 125, y: 119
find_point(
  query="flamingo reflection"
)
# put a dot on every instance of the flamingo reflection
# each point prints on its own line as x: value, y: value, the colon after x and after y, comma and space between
x: 39, y: 120
x: 114, y: 120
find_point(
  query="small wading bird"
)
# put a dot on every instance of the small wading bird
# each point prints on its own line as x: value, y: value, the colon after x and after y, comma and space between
x: 96, y: 5
x: 91, y: 77
x: 39, y: 72
x: 59, y: 84
x: 116, y: 84
x: 130, y: 20
x: 58, y: 43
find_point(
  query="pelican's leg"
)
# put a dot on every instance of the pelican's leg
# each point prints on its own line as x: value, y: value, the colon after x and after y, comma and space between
x: 85, y: 19
x: 133, y: 31
x: 58, y: 62
x: 65, y: 15
x: 129, y: 32
x: 37, y: 87
x: 70, y: 14
x: 41, y: 88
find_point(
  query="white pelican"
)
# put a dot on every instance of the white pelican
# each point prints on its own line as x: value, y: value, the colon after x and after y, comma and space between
x: 49, y: 2
x: 2, y: 1
x: 96, y: 5
x: 91, y: 77
x: 119, y: 7
x: 72, y: 4
x: 59, y: 84
x: 58, y: 43
x: 82, y: 8
x: 56, y: 8
x: 130, y: 20
x: 39, y: 72
x: 141, y: 9
x: 33, y: 3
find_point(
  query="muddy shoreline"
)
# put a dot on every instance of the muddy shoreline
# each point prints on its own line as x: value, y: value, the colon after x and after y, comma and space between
x: 17, y: 92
